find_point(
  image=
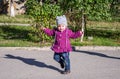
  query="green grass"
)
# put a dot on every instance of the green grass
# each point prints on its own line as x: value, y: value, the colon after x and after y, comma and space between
x: 20, y: 36
x: 16, y: 19
x: 17, y: 43
x: 103, y: 25
x: 97, y: 41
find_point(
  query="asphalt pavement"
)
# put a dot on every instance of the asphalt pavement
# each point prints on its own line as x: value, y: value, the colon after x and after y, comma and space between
x: 38, y: 63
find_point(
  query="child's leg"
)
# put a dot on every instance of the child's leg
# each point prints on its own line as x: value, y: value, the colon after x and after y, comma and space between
x: 66, y: 60
x: 58, y: 58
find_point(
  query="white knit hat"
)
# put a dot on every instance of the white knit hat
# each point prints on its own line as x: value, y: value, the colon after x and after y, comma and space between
x: 61, y: 20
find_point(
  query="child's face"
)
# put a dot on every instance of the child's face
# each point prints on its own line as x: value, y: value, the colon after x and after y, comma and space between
x: 61, y: 27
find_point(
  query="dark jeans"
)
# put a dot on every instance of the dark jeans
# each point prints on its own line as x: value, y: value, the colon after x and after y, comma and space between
x: 63, y: 57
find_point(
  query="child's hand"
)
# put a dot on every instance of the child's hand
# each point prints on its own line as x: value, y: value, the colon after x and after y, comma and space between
x: 42, y: 28
x: 81, y: 32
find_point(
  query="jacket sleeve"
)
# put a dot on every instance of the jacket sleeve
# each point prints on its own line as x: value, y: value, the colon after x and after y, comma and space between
x: 74, y: 34
x: 49, y: 32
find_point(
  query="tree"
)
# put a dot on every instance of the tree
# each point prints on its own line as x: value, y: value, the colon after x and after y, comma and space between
x: 115, y: 9
x: 82, y: 10
x: 43, y: 15
x: 78, y: 11
x: 12, y: 9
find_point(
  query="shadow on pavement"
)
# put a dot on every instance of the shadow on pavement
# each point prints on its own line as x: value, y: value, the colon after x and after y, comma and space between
x: 31, y: 61
x: 95, y: 53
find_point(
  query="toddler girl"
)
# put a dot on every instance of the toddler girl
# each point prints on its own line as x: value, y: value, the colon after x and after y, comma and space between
x: 61, y: 45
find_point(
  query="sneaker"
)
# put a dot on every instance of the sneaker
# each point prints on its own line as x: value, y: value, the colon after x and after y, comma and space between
x: 62, y: 64
x: 66, y: 72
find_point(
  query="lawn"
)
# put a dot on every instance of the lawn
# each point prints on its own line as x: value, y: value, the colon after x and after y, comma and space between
x: 18, y: 19
x: 21, y: 36
x: 103, y: 34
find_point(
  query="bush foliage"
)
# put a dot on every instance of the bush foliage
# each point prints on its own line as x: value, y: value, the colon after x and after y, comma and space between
x: 44, y: 13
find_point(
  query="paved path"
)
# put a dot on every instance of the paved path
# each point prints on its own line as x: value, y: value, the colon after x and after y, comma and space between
x: 18, y: 24
x: 39, y: 64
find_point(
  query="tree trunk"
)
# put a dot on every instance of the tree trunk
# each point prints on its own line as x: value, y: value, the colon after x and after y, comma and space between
x: 12, y: 9
x: 83, y: 26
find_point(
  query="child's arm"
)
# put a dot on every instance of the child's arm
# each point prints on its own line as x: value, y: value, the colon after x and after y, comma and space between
x: 47, y: 31
x: 75, y: 34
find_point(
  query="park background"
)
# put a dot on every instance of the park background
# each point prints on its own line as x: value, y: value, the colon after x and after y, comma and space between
x: 99, y: 19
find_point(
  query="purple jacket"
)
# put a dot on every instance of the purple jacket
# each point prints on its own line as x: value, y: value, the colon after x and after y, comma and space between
x: 62, y: 39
